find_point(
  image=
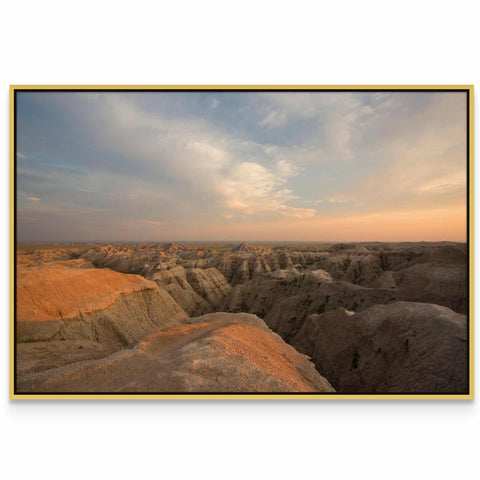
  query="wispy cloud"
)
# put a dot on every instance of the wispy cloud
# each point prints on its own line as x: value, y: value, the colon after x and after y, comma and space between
x: 179, y: 160
x: 274, y: 119
x: 214, y: 103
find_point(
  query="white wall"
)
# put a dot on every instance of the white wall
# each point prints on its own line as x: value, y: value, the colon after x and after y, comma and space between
x: 218, y: 42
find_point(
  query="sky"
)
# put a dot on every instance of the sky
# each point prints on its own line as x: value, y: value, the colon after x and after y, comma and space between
x: 264, y: 166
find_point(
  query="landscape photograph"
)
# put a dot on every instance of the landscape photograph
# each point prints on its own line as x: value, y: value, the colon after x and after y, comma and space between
x: 241, y: 242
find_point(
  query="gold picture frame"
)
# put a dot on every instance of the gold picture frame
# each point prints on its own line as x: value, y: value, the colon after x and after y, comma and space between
x: 248, y: 396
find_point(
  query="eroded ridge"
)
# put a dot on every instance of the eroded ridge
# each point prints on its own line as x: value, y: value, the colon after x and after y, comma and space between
x: 374, y: 318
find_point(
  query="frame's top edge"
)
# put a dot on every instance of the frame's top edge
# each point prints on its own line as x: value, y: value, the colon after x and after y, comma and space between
x: 243, y: 87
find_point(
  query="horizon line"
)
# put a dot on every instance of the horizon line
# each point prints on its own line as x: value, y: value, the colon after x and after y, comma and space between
x: 77, y: 242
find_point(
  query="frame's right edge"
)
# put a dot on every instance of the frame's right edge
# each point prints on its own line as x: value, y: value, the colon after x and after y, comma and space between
x: 471, y: 134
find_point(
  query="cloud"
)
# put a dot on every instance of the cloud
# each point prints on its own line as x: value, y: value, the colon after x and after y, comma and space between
x: 337, y: 199
x: 301, y: 213
x: 331, y: 120
x: 274, y: 119
x: 437, y: 187
x: 152, y: 222
x: 214, y: 103
x: 252, y: 188
x: 170, y: 168
x: 421, y: 161
x: 170, y: 161
x: 33, y: 199
x: 286, y: 169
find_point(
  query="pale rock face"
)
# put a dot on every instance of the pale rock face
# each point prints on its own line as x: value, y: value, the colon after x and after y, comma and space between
x: 357, y: 266
x: 130, y: 317
x: 246, y: 248
x: 238, y: 267
x: 60, y: 303
x: 55, y: 292
x: 189, y: 300
x: 43, y: 256
x: 208, y: 290
x: 127, y: 320
x: 167, y: 264
x: 273, y: 262
x: 174, y: 275
x: 210, y: 284
x: 242, y: 274
x: 123, y: 259
x: 173, y: 247
x: 225, y: 264
x: 258, y: 266
x: 197, y: 263
x: 402, y: 347
x: 319, y: 275
x: 215, y: 353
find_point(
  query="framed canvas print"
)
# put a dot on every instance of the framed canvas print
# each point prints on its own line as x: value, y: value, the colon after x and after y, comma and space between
x: 257, y: 242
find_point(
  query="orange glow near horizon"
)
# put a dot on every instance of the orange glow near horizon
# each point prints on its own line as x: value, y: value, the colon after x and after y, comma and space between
x: 446, y: 224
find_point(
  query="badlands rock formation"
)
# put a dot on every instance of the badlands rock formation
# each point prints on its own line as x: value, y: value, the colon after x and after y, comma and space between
x: 285, y: 303
x: 173, y: 279
x: 57, y: 302
x: 189, y: 300
x: 374, y: 317
x: 434, y: 283
x: 401, y: 347
x: 246, y: 248
x: 139, y: 259
x: 213, y: 353
x: 173, y: 247
x: 197, y: 290
x: 209, y: 283
x: 37, y: 360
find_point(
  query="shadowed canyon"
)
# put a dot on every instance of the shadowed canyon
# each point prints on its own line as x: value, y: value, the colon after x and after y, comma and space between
x: 178, y: 318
